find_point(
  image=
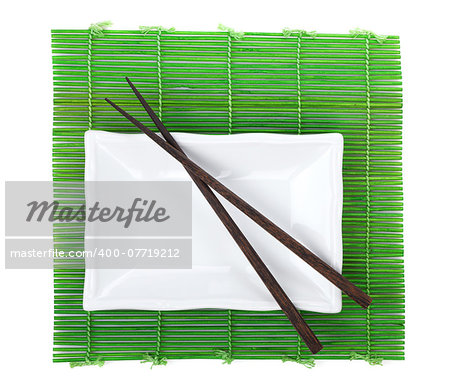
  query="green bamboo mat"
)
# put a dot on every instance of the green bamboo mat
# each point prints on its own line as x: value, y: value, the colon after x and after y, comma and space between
x: 222, y: 82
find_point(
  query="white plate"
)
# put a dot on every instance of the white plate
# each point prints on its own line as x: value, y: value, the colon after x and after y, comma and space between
x: 294, y: 180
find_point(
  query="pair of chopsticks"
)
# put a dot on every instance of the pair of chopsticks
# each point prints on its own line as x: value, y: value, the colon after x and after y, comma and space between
x: 205, y: 182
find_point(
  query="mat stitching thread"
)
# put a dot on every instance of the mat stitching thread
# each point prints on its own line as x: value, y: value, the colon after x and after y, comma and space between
x: 88, y: 361
x: 357, y: 32
x: 287, y: 32
x: 148, y: 29
x: 367, y: 157
x: 160, y: 109
x: 230, y: 333
x: 230, y: 99
x: 87, y: 357
x: 88, y: 337
x: 158, y: 335
x: 156, y: 359
x: 89, y: 78
x: 299, y: 130
x: 159, y: 29
x: 238, y: 35
x: 158, y: 42
x: 299, y: 347
x: 230, y: 130
x: 95, y: 30
x: 299, y: 93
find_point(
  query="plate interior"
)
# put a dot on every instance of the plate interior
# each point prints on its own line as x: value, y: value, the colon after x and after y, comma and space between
x: 294, y: 180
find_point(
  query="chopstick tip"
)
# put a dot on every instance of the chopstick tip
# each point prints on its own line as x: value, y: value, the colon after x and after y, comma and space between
x: 316, y: 348
x: 130, y: 83
x: 110, y: 103
x: 369, y: 301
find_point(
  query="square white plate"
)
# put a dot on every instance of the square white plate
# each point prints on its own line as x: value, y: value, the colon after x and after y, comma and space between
x: 294, y: 180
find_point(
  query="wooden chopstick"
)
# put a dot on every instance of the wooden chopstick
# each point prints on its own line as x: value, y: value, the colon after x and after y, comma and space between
x: 296, y: 247
x: 261, y: 269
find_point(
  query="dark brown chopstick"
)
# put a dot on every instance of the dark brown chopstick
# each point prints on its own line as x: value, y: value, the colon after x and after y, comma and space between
x: 264, y: 273
x: 304, y: 253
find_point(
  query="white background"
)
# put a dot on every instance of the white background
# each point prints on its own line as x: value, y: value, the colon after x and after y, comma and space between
x: 26, y: 105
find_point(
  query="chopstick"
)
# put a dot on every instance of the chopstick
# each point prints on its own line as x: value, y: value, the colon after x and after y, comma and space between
x: 261, y: 269
x: 296, y: 247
